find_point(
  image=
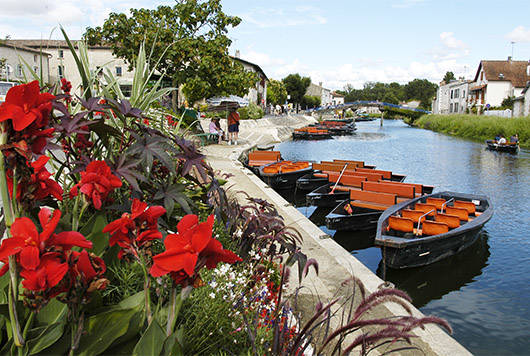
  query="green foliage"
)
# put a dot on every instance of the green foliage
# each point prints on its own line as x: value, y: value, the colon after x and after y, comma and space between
x: 395, y: 113
x: 190, y: 38
x: 309, y: 101
x: 448, y: 77
x: 421, y: 89
x: 252, y: 111
x: 296, y: 87
x: 478, y: 128
x: 276, y: 92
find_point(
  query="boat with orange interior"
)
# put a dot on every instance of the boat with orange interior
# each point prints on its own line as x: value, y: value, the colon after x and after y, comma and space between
x: 311, y: 133
x: 283, y: 174
x: 430, y: 228
x: 364, y: 205
x: 258, y: 158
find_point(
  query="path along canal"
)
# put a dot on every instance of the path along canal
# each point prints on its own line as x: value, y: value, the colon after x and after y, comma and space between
x: 484, y: 292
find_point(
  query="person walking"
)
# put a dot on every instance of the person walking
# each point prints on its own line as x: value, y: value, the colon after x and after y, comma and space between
x: 233, y: 126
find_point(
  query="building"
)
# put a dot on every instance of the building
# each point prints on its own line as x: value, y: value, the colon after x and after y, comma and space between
x: 63, y: 65
x: 521, y: 104
x: 336, y: 98
x: 258, y: 94
x: 451, y: 98
x: 323, y: 93
x: 497, y: 80
x: 15, y: 58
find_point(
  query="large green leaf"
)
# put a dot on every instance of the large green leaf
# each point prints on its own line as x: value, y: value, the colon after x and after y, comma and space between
x: 102, y: 329
x: 45, y: 338
x: 172, y: 345
x: 151, y: 341
x: 53, y: 312
x: 93, y: 230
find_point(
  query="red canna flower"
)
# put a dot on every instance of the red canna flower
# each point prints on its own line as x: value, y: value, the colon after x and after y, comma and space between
x: 97, y: 181
x: 66, y: 86
x: 29, y: 245
x: 25, y: 104
x: 86, y: 273
x: 189, y: 250
x: 40, y: 179
x: 50, y: 272
x: 132, y: 231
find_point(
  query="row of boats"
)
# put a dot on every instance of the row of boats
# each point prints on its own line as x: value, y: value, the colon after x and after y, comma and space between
x: 325, y: 130
x: 414, y: 226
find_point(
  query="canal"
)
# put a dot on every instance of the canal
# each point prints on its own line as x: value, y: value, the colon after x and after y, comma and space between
x: 483, y: 292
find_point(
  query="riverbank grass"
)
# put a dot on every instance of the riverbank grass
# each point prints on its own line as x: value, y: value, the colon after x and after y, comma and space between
x: 478, y: 128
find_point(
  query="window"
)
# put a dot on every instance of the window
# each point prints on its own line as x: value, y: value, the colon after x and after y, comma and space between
x: 126, y: 90
x: 451, y: 94
x: 463, y: 93
x: 457, y: 92
x: 35, y: 58
x: 456, y: 107
x: 118, y: 71
x: 19, y: 70
x: 61, y: 53
x: 60, y: 71
x: 451, y: 107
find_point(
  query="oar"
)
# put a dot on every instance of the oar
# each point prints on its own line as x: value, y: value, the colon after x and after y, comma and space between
x: 338, y: 180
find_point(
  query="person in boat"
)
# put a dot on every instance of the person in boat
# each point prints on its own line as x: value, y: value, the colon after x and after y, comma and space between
x: 502, y: 140
x: 514, y: 139
x: 233, y: 126
x: 497, y: 138
x: 215, y: 128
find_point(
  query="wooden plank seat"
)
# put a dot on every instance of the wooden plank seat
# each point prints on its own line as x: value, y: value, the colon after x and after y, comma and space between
x: 433, y: 228
x: 426, y: 208
x: 386, y: 174
x: 452, y: 221
x: 371, y: 200
x: 373, y: 177
x: 412, y: 214
x: 356, y: 163
x: 468, y: 205
x: 437, y: 202
x: 417, y: 187
x: 400, y: 224
x: 401, y: 190
x: 354, y: 181
x: 330, y: 166
x: 320, y: 175
x: 462, y: 213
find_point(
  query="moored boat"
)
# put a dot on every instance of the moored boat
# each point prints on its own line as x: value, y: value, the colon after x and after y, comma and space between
x: 311, y: 133
x: 284, y: 174
x: 430, y: 228
x: 257, y: 159
x: 510, y: 147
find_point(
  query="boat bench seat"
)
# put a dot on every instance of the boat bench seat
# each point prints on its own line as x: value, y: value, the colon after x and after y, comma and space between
x: 354, y: 181
x: 320, y: 175
x: 418, y: 188
x: 434, y: 228
x: 462, y: 213
x: 259, y: 163
x: 386, y: 174
x: 374, y: 177
x: 400, y: 224
x: 401, y: 190
x: 425, y: 208
x: 372, y: 200
x: 468, y: 205
x: 370, y: 205
x: 437, y: 202
x: 452, y: 221
x: 265, y: 155
x: 355, y: 163
x: 412, y: 214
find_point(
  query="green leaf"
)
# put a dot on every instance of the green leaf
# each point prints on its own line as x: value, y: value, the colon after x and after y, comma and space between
x: 52, y: 313
x: 93, y: 230
x: 151, y: 341
x: 47, y: 337
x: 102, y: 329
x: 172, y: 345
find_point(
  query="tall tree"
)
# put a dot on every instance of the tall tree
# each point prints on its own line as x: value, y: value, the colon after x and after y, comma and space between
x: 448, y: 77
x: 276, y: 92
x: 189, y: 43
x: 422, y: 90
x: 296, y: 87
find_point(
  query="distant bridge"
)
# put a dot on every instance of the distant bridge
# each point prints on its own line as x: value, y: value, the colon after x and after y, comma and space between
x: 361, y: 103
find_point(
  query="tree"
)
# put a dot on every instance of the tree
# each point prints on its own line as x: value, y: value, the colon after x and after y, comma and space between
x: 276, y: 92
x: 310, y: 101
x: 296, y: 87
x: 391, y: 98
x: 448, y: 77
x: 422, y: 90
x: 188, y: 42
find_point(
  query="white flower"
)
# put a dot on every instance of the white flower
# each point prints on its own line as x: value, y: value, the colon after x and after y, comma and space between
x: 212, y: 295
x: 213, y: 284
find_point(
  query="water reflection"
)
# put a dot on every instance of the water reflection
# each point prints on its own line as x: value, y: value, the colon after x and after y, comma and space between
x: 432, y: 282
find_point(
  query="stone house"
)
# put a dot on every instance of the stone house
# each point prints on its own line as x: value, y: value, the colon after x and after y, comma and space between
x: 521, y: 104
x: 13, y: 56
x: 323, y: 93
x: 451, y: 98
x: 336, y: 98
x: 62, y: 63
x: 496, y: 80
x: 258, y: 94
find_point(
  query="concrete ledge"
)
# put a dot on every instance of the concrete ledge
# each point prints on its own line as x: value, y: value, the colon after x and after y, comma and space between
x: 335, y: 264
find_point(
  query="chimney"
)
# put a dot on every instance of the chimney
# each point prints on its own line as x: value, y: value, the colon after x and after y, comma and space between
x: 509, y: 58
x: 238, y: 54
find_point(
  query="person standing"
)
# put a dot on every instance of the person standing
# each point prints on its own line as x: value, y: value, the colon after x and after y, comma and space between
x: 233, y: 126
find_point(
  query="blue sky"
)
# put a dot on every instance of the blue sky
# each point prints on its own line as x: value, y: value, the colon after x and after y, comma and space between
x: 336, y: 42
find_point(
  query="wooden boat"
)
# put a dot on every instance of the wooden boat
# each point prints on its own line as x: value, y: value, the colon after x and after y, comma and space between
x: 510, y: 147
x: 284, y: 174
x: 319, y: 177
x: 351, y: 179
x: 430, y: 228
x: 364, y: 205
x: 311, y: 133
x: 258, y: 158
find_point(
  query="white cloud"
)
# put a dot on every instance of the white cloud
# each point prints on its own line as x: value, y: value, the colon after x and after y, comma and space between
x: 404, y: 4
x: 451, y: 48
x: 272, y: 17
x: 449, y: 40
x: 519, y: 34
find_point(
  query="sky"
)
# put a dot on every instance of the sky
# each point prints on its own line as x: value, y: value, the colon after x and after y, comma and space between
x: 336, y: 42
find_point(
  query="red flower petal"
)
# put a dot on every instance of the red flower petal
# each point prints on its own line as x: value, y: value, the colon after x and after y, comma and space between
x: 187, y: 222
x: 10, y: 247
x: 85, y: 266
x: 48, y: 224
x: 175, y: 260
x: 29, y: 257
x: 24, y: 229
x: 68, y: 239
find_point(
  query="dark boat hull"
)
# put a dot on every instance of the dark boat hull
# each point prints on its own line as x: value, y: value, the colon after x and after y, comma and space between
x: 401, y: 252
x: 360, y: 219
x: 322, y: 197
x: 502, y: 148
x: 309, y: 182
x: 284, y: 180
x: 309, y: 136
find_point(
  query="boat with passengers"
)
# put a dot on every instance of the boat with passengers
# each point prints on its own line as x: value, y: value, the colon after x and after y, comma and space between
x: 427, y: 229
x: 510, y: 147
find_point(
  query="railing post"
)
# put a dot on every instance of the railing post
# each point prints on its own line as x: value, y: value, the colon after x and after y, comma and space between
x: 382, y: 115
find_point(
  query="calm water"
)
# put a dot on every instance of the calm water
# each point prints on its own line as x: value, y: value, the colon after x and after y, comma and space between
x: 484, y: 292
